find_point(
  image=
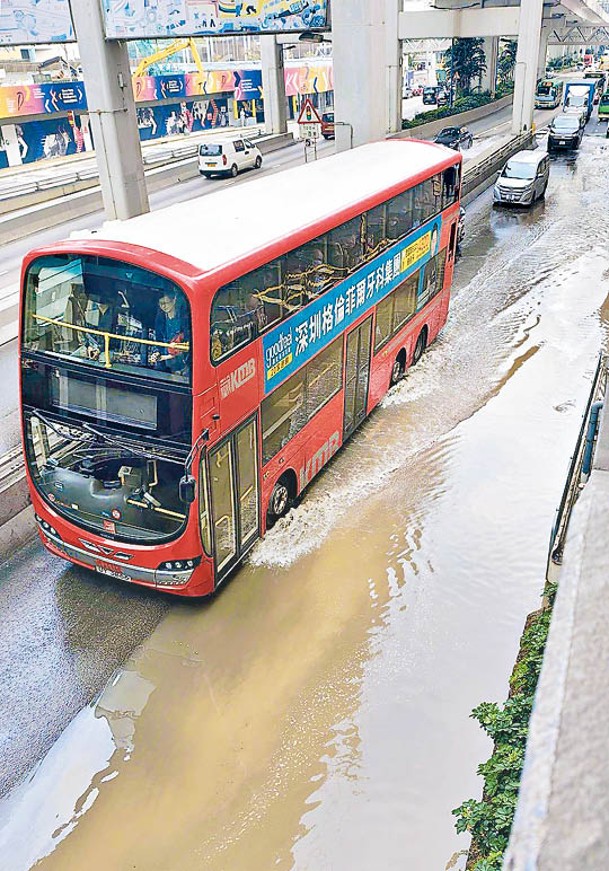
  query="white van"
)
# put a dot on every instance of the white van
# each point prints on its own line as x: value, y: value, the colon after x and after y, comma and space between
x: 228, y: 157
x: 523, y: 179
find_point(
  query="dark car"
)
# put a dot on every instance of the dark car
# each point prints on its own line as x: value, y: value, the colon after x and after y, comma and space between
x: 565, y: 132
x: 441, y: 96
x: 429, y: 96
x: 454, y: 137
x: 327, y: 125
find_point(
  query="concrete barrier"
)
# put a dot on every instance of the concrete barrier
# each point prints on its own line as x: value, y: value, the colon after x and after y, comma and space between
x: 425, y: 131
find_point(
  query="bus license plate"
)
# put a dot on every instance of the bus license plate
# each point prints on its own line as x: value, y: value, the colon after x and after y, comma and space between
x: 112, y: 571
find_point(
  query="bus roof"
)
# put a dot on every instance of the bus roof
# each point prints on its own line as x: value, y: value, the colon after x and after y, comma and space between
x: 217, y: 229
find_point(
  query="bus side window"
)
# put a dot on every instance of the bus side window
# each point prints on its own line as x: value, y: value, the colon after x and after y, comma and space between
x: 345, y: 246
x: 295, y: 281
x: 376, y: 231
x: 400, y: 217
x: 450, y: 185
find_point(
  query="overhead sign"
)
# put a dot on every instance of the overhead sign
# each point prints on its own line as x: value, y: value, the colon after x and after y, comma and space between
x: 143, y: 19
x: 24, y: 22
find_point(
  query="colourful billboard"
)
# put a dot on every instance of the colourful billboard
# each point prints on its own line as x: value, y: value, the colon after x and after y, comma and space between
x: 24, y: 22
x: 44, y: 99
x: 142, y: 19
x: 17, y: 101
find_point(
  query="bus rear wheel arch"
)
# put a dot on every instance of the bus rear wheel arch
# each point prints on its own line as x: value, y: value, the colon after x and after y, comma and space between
x: 420, y: 346
x: 282, y: 498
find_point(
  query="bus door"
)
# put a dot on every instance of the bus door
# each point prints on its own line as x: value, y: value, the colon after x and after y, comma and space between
x: 357, y: 376
x: 233, y: 477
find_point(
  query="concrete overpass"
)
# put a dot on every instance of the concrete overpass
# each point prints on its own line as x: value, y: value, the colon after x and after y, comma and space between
x: 531, y: 21
x: 367, y: 37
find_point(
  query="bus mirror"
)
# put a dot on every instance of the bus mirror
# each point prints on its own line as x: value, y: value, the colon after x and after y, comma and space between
x: 186, y: 489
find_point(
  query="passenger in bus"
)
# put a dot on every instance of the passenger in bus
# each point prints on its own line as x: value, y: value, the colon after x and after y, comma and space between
x: 171, y: 327
x: 345, y: 249
x: 255, y: 313
x: 76, y: 314
x: 102, y: 315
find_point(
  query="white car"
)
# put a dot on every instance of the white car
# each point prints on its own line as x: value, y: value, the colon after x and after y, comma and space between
x: 228, y: 157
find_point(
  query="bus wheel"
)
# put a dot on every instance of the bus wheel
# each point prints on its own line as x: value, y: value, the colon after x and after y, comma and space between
x: 399, y: 368
x: 419, y: 347
x: 281, y: 500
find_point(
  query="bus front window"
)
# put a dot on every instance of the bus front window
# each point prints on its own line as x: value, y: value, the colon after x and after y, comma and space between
x: 107, y: 314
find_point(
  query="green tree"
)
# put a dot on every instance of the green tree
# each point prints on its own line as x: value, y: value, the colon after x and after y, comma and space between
x: 467, y: 61
x: 506, y: 61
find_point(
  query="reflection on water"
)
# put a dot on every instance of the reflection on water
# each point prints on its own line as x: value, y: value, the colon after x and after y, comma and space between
x: 316, y: 715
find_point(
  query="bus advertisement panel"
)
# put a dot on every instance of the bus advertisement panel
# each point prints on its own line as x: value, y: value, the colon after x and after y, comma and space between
x: 185, y: 374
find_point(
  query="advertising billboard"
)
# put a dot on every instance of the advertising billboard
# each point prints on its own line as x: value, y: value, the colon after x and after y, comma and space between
x: 141, y: 19
x: 23, y: 22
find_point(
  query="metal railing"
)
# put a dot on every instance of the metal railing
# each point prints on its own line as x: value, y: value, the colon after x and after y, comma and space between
x: 574, y: 481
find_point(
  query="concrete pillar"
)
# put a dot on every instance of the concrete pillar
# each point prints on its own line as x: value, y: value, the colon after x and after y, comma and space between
x: 525, y: 72
x: 367, y: 72
x: 543, y: 51
x: 112, y: 112
x: 273, y: 85
x: 393, y: 68
x: 491, y: 53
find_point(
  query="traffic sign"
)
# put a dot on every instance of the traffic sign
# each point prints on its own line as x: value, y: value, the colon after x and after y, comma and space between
x: 308, y: 113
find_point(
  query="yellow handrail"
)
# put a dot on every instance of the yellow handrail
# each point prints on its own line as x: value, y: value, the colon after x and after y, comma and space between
x: 179, y: 346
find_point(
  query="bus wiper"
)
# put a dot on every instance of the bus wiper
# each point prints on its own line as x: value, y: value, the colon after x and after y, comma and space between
x: 126, y: 449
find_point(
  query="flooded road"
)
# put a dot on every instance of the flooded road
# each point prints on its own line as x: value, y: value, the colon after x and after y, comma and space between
x: 315, y: 715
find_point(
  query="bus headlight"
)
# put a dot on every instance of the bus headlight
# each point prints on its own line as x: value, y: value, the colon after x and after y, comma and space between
x: 175, y: 573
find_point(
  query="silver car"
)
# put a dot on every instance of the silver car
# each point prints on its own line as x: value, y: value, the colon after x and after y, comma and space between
x: 523, y: 179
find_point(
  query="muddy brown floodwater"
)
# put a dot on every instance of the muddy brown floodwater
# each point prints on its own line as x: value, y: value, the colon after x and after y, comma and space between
x: 315, y: 715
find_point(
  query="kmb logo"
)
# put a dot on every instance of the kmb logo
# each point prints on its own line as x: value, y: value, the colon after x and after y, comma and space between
x: 238, y: 378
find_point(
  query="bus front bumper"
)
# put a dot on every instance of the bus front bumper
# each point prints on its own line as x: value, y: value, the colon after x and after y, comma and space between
x: 92, y: 557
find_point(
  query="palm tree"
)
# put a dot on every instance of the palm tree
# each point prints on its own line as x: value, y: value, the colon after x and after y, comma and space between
x: 466, y: 61
x: 506, y: 61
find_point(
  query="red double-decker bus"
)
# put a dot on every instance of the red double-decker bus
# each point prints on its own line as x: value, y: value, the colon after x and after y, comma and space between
x: 186, y: 373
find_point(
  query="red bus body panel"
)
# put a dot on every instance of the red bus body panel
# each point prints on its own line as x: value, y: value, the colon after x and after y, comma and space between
x: 231, y: 392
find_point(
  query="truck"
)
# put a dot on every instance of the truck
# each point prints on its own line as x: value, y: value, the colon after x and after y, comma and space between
x: 580, y: 94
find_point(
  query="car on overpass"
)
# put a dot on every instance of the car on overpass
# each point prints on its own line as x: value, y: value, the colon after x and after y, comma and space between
x: 454, y: 137
x: 327, y: 125
x: 228, y: 157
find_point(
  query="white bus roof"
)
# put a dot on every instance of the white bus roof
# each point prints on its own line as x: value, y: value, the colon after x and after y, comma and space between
x: 214, y: 230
